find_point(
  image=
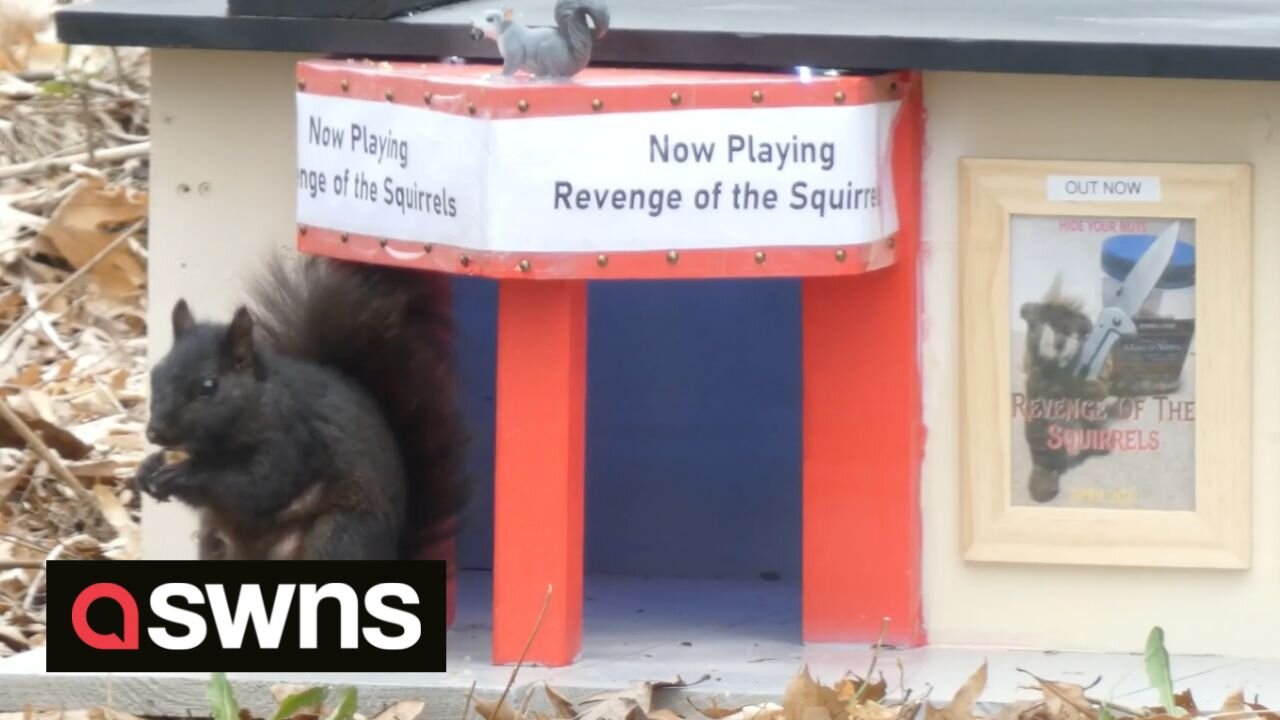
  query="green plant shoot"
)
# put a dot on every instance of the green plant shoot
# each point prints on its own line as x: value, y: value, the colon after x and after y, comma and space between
x: 1158, y: 674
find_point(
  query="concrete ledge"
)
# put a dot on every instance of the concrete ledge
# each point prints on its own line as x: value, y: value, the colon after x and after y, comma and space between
x: 743, y: 634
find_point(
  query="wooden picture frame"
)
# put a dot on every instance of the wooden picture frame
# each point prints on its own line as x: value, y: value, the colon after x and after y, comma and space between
x: 1045, y: 246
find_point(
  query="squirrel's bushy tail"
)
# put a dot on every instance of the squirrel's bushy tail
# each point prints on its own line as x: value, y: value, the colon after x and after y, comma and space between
x: 571, y: 18
x: 389, y: 330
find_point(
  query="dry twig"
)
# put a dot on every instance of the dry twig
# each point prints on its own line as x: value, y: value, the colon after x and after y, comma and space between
x: 115, y: 154
x: 546, y: 601
x: 39, y: 448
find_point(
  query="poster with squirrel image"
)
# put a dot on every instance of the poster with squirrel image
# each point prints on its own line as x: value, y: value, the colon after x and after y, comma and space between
x: 1121, y: 436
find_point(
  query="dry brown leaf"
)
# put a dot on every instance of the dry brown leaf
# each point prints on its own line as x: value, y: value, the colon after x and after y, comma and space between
x: 801, y: 693
x: 1185, y: 701
x: 67, y: 446
x: 718, y: 713
x: 1234, y: 703
x: 564, y: 709
x: 119, y: 517
x: 403, y: 710
x: 848, y: 687
x: 875, y: 711
x: 1064, y: 701
x: 626, y: 703
x: 87, y: 221
x: 961, y: 705
x: 768, y: 711
x: 816, y: 712
x: 489, y: 710
x: 281, y: 691
x: 28, y: 376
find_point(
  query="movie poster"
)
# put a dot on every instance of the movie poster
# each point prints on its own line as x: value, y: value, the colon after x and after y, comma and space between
x: 1113, y: 429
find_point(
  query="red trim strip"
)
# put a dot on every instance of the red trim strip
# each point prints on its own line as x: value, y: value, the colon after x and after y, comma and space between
x: 462, y: 89
x: 687, y: 264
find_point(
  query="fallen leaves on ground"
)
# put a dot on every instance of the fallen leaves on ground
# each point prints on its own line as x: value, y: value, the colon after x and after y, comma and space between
x: 91, y: 217
x: 72, y: 353
x: 862, y: 698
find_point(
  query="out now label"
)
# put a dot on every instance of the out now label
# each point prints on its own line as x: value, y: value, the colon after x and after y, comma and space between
x: 1103, y: 188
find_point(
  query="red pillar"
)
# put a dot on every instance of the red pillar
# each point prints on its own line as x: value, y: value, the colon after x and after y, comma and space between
x: 538, y: 471
x: 863, y: 433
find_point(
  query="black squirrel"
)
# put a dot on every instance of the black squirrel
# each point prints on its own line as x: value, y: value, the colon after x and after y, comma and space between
x: 320, y: 424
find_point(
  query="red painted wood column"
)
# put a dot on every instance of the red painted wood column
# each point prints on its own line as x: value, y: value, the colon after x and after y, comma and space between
x: 863, y: 433
x: 538, y: 471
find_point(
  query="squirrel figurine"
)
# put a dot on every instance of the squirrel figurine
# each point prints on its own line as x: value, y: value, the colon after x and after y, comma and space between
x: 549, y: 53
x: 319, y: 425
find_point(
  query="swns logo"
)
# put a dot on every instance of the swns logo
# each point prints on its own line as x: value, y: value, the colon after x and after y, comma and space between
x: 205, y: 616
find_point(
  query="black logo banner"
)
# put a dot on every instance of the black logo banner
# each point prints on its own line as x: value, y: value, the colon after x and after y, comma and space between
x: 243, y: 616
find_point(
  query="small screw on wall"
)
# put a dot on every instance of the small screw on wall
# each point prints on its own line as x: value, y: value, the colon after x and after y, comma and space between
x: 525, y: 266
x: 597, y: 104
x: 390, y: 95
x: 673, y: 257
x: 426, y: 98
x: 465, y: 260
x: 675, y: 98
x: 602, y: 260
x: 345, y: 85
x: 840, y: 256
x: 839, y: 97
x: 757, y: 96
x: 760, y: 257
x: 302, y: 84
x: 344, y: 237
x: 523, y: 106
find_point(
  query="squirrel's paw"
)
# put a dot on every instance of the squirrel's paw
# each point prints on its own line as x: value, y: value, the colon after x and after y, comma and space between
x: 157, y: 476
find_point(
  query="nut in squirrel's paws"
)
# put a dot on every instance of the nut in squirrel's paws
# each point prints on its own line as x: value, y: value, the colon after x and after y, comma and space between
x: 159, y: 471
x: 173, y: 457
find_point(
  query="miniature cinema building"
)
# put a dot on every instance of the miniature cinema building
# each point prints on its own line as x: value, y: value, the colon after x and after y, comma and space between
x: 1004, y: 381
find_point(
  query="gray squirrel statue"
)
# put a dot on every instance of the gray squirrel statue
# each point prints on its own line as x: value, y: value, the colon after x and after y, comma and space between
x: 548, y: 53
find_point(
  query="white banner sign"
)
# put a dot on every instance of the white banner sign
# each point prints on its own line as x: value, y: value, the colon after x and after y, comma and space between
x: 685, y: 179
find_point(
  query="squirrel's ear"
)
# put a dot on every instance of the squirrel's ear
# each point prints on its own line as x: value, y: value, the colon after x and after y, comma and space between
x: 506, y: 14
x: 237, y: 346
x: 182, y: 318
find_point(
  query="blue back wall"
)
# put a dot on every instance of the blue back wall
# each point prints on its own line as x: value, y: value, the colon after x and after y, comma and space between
x: 693, y: 426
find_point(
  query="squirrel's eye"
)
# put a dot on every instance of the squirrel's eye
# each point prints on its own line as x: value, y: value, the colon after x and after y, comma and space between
x: 208, y: 386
